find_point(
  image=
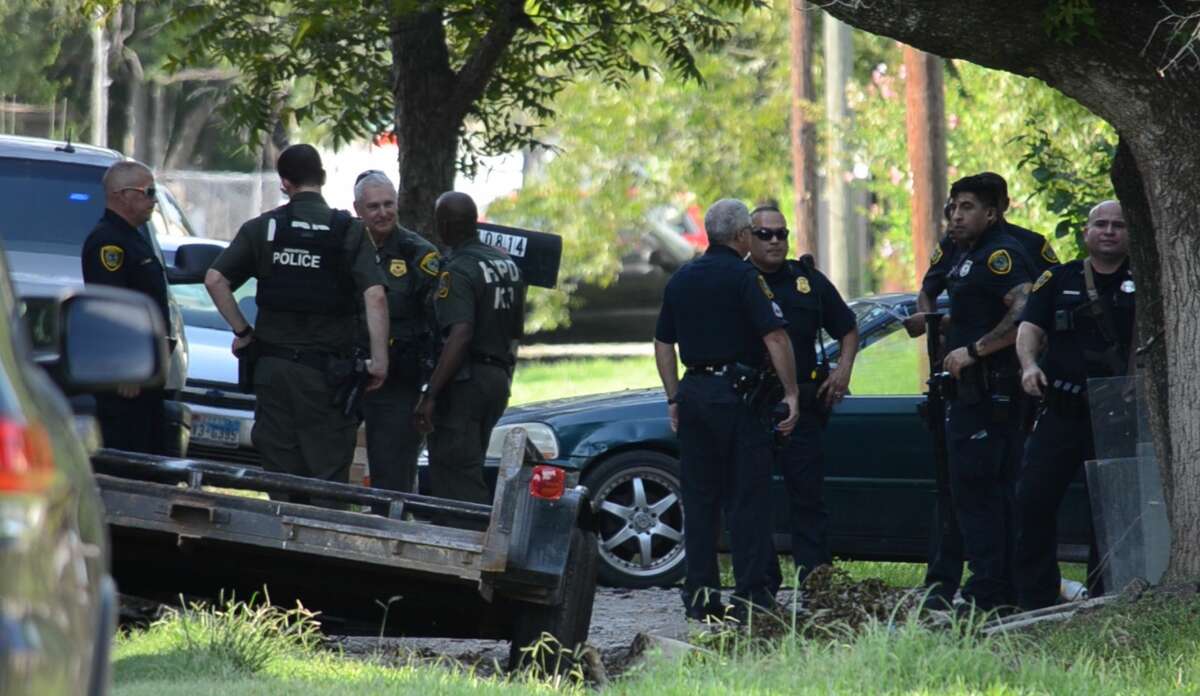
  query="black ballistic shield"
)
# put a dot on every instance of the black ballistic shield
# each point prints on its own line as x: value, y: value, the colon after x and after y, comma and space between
x: 537, y: 254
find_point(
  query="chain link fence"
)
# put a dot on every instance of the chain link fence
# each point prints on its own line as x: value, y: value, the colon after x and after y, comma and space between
x: 217, y: 203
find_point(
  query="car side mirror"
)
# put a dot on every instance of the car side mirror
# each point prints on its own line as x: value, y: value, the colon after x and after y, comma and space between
x: 105, y: 338
x: 192, y: 261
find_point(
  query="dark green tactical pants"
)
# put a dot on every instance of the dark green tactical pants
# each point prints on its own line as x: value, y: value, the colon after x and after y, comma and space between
x: 393, y: 444
x: 297, y: 430
x: 462, y: 425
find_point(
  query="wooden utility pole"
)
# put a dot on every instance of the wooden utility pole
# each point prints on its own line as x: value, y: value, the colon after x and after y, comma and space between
x: 925, y: 117
x: 842, y: 259
x: 804, y: 133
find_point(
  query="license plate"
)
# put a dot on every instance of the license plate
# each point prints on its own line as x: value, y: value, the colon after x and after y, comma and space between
x: 222, y: 431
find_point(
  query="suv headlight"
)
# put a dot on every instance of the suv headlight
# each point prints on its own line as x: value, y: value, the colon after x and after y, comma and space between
x: 541, y: 435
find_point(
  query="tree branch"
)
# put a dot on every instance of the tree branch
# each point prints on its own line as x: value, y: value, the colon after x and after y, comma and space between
x: 473, y: 77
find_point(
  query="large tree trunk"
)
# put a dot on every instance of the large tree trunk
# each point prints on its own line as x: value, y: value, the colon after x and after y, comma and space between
x: 1116, y: 63
x: 803, y: 130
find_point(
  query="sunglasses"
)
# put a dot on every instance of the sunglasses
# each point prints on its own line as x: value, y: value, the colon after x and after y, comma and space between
x: 767, y: 234
x: 148, y: 192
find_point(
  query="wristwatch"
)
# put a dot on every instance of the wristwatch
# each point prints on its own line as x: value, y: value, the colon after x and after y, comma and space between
x: 671, y: 401
x: 972, y: 351
x: 244, y: 332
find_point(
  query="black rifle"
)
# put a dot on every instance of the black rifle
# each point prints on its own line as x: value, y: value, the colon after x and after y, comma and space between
x: 944, y: 569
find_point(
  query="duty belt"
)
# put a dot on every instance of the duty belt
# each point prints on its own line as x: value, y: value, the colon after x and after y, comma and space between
x: 713, y: 369
x: 318, y: 360
x: 484, y: 359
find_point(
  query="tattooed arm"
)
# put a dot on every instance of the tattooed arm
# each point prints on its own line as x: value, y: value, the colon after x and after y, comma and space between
x: 1005, y: 333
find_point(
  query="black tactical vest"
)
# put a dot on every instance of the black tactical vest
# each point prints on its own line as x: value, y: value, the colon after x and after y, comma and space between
x: 307, y: 269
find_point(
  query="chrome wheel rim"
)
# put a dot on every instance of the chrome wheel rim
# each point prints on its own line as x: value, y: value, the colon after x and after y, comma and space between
x: 640, y: 521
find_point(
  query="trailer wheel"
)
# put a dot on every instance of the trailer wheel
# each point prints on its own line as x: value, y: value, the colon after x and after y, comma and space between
x: 569, y: 621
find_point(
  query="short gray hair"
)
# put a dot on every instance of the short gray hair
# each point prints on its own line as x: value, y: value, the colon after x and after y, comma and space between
x: 724, y: 219
x: 125, y: 173
x: 372, y: 178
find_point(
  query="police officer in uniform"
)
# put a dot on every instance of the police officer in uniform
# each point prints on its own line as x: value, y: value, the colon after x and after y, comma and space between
x: 117, y: 253
x: 410, y: 265
x: 312, y: 265
x: 809, y: 303
x: 1082, y: 313
x: 720, y: 312
x: 480, y: 306
x: 988, y: 284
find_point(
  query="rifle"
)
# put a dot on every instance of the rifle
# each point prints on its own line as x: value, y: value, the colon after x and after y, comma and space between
x: 934, y: 408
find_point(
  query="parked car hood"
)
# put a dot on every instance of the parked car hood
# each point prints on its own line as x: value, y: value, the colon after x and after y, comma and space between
x: 211, y: 360
x: 590, y: 408
x: 40, y: 273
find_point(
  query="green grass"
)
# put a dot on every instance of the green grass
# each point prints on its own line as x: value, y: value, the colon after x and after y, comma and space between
x: 543, y: 380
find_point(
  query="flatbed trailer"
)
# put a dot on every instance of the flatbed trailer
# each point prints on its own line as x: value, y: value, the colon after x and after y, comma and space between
x: 388, y: 563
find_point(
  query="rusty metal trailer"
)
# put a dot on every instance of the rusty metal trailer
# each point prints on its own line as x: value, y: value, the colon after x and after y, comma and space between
x: 370, y: 561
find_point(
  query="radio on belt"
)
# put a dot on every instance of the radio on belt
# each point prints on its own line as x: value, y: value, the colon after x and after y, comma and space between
x: 537, y: 254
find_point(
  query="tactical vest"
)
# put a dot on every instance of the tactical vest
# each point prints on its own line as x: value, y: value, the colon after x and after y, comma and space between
x: 1105, y: 351
x: 306, y: 269
x: 500, y: 307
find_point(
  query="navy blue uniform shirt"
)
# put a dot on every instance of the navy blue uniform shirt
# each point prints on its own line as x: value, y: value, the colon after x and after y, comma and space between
x: 718, y: 308
x: 116, y: 253
x: 1073, y: 352
x: 1036, y: 247
x: 977, y: 282
x: 809, y: 303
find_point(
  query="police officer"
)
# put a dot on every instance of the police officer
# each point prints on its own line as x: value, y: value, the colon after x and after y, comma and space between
x: 480, y: 306
x: 809, y: 303
x: 988, y: 284
x: 719, y: 310
x: 410, y: 265
x: 312, y: 264
x: 117, y: 253
x: 1082, y: 313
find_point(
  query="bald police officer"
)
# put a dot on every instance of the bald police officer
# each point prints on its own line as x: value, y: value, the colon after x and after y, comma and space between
x: 410, y: 265
x: 312, y: 263
x: 810, y: 303
x: 480, y: 305
x: 988, y: 283
x: 1082, y: 314
x: 719, y: 310
x: 117, y: 253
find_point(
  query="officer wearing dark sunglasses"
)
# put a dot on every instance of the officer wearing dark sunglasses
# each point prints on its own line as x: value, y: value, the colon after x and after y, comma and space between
x: 116, y: 253
x: 809, y: 303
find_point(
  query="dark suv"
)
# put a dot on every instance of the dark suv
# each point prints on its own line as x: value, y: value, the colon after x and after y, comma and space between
x: 57, y: 600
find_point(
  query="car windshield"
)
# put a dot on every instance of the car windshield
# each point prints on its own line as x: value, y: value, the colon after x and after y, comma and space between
x: 48, y: 205
x: 199, y: 310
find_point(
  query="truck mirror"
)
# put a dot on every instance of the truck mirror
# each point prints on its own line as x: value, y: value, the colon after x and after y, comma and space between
x: 192, y: 261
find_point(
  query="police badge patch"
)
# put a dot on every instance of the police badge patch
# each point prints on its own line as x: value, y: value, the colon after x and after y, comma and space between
x: 111, y: 257
x: 1127, y: 287
x: 766, y: 291
x: 802, y: 285
x: 443, y: 285
x: 999, y: 262
x: 1042, y: 280
x: 429, y: 263
x: 1048, y: 253
x: 937, y: 255
x: 398, y: 268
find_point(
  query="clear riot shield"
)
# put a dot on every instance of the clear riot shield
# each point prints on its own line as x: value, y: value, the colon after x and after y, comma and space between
x: 1128, y: 510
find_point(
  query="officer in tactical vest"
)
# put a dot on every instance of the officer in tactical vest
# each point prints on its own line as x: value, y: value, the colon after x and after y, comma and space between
x: 312, y: 265
x: 1082, y: 314
x: 988, y: 283
x: 809, y: 303
x: 410, y: 265
x: 480, y: 306
x: 117, y: 253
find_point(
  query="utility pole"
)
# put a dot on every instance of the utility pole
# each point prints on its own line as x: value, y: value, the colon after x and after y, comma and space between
x: 925, y: 118
x: 842, y: 260
x: 99, y: 84
x: 803, y: 132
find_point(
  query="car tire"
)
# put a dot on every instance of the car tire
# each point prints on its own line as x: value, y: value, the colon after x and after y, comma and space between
x: 568, y: 621
x: 640, y: 534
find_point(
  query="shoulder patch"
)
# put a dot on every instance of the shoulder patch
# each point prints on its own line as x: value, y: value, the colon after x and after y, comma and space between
x: 937, y: 255
x: 430, y: 263
x: 111, y: 257
x: 398, y: 268
x: 803, y: 286
x: 999, y: 262
x: 762, y: 284
x: 1048, y: 253
x: 443, y: 285
x: 1042, y: 280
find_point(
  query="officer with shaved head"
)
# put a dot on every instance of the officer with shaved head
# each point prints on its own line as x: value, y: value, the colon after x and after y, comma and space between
x: 117, y: 253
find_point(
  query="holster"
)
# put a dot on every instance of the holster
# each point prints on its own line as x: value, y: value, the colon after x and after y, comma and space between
x: 410, y: 360
x: 247, y: 357
x: 1068, y: 404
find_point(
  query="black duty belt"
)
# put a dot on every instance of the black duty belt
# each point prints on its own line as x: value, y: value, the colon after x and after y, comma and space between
x: 714, y: 369
x: 484, y: 359
x: 318, y: 360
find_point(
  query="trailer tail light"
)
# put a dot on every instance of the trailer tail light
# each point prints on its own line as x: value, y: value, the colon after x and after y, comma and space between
x: 26, y: 458
x: 547, y: 482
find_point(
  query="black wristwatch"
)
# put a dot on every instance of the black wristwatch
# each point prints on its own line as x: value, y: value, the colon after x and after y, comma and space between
x: 972, y: 351
x: 244, y: 332
x: 671, y: 401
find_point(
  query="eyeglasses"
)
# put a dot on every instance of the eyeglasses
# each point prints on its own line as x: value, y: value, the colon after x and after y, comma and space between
x: 149, y: 192
x: 767, y: 234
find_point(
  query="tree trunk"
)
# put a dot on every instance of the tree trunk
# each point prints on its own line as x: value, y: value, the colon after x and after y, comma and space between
x: 841, y: 245
x: 1118, y: 62
x: 925, y: 118
x: 803, y: 131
